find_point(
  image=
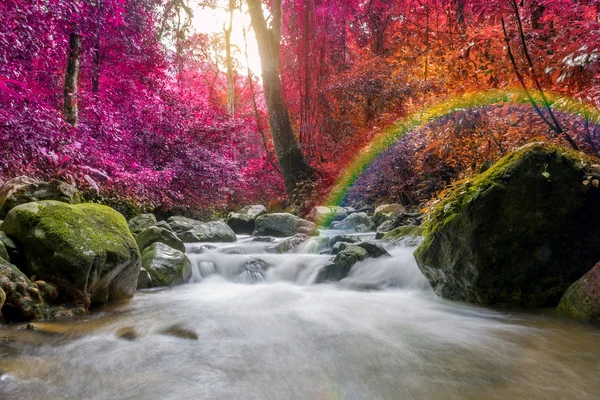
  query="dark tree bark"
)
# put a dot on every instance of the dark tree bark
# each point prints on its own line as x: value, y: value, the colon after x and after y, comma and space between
x: 96, y: 68
x: 71, y: 79
x: 294, y: 168
x: 460, y: 15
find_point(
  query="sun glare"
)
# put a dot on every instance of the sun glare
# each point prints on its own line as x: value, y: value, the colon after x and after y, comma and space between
x: 212, y: 20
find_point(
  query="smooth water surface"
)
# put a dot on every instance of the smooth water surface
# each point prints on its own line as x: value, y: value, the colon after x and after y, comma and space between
x: 283, y: 338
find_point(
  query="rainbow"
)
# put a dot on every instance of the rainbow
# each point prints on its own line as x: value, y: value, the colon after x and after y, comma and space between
x: 467, y: 101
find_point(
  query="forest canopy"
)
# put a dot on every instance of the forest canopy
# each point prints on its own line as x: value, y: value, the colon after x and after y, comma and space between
x: 165, y: 103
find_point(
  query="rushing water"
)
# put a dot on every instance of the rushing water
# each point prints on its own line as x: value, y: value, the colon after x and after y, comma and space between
x: 284, y: 338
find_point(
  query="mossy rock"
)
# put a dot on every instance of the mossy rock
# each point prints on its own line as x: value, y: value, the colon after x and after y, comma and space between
x: 283, y: 225
x: 82, y: 248
x: 166, y: 266
x: 404, y: 232
x: 155, y: 234
x: 582, y: 300
x: 339, y: 267
x: 139, y: 223
x: 520, y: 233
x: 387, y: 212
x: 3, y: 253
x: 24, y: 189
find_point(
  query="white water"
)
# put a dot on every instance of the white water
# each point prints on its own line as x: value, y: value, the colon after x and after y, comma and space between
x: 284, y: 338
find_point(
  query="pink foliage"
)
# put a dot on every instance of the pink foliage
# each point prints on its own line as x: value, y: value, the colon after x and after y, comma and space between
x: 145, y: 133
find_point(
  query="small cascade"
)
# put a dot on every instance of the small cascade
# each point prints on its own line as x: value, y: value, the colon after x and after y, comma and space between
x: 254, y: 261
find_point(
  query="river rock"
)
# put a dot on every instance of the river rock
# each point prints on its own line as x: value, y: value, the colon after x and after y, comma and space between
x: 263, y: 239
x: 85, y: 249
x: 409, y: 235
x: 254, y: 271
x: 141, y: 222
x: 10, y: 247
x: 358, y: 222
x: 387, y: 212
x: 24, y: 301
x: 180, y: 331
x: 582, y: 300
x: 283, y: 225
x: 155, y: 234
x: 339, y: 246
x: 373, y: 249
x: 182, y: 224
x: 338, y: 267
x: 214, y: 231
x: 23, y: 190
x: 3, y: 253
x: 242, y: 222
x: 520, y: 233
x: 144, y: 279
x: 166, y: 266
x: 291, y: 243
x: 343, y: 238
x: 164, y: 225
x: 384, y: 227
x: 324, y: 215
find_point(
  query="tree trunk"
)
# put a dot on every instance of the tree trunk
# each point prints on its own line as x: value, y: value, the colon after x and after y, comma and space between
x: 71, y: 78
x: 96, y: 68
x: 294, y: 168
x: 229, y: 64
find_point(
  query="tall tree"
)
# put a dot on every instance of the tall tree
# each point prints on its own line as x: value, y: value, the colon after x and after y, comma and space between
x: 296, y: 171
x: 71, y: 78
x: 229, y: 62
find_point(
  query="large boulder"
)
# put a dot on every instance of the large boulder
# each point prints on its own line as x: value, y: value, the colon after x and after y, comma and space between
x: 25, y: 300
x: 325, y: 215
x: 582, y: 300
x: 139, y: 223
x: 181, y: 224
x: 214, y: 231
x: 359, y: 222
x: 166, y: 266
x: 338, y: 267
x: 242, y: 222
x: 23, y: 190
x: 155, y: 234
x: 284, y: 225
x: 520, y: 233
x: 387, y: 212
x: 84, y: 248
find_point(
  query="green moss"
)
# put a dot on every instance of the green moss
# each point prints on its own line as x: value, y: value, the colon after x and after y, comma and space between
x: 466, y: 191
x: 76, y: 243
x: 516, y: 233
x: 403, y: 231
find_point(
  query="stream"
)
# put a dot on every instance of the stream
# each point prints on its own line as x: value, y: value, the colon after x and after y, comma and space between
x: 379, y: 334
